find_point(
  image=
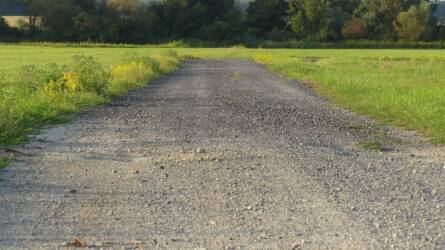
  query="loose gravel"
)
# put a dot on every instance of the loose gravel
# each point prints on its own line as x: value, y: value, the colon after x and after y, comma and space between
x: 223, y: 154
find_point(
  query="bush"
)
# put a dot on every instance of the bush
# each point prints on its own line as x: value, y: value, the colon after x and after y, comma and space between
x: 217, y: 31
x: 278, y: 35
x: 93, y: 76
x: 355, y: 29
x: 414, y: 24
x: 70, y: 82
x: 33, y: 77
x: 128, y: 76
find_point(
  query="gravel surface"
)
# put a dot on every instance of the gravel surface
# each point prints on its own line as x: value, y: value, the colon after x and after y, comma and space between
x: 223, y: 154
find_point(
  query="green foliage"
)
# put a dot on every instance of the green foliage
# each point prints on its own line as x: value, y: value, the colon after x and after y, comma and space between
x: 400, y: 87
x: 371, y: 145
x: 33, y: 77
x: 415, y: 24
x: 93, y: 76
x: 318, y: 19
x: 355, y: 28
x: 267, y: 15
x: 130, y: 21
x: 49, y: 92
x: 4, y: 161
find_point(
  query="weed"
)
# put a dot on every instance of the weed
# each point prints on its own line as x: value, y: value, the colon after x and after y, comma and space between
x: 371, y: 145
x: 4, y: 161
x: 237, y: 76
x: 92, y: 75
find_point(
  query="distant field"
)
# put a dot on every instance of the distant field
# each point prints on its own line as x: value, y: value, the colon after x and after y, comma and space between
x: 405, y: 88
x: 15, y: 21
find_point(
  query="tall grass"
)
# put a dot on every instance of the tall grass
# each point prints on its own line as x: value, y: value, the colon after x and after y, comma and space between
x: 405, y: 91
x: 44, y: 94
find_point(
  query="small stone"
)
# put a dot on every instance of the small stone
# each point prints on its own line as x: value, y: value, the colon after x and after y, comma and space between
x: 200, y: 151
x: 136, y: 172
x: 295, y: 247
x: 73, y: 191
x: 249, y: 207
x: 115, y: 171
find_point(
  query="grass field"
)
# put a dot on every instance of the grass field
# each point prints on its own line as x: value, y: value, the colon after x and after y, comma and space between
x: 405, y: 88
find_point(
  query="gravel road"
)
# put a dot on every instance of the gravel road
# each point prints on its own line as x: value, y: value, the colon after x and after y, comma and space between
x: 223, y: 154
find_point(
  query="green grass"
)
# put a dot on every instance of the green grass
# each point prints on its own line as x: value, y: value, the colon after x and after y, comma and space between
x: 405, y: 88
x: 4, y: 161
x: 371, y: 145
x: 44, y: 86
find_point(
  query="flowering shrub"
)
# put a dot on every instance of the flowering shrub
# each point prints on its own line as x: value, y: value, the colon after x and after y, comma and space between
x: 70, y: 82
x: 132, y: 73
x: 93, y: 76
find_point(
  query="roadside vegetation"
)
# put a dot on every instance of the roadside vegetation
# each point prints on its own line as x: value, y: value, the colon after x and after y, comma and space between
x: 404, y: 88
x: 3, y: 162
x: 40, y: 91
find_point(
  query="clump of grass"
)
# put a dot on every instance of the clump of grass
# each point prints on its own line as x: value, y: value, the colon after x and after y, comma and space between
x: 237, y: 76
x: 371, y: 145
x: 4, y: 161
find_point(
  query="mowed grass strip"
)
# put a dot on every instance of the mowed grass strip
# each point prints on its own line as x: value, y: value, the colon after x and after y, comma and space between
x: 405, y: 88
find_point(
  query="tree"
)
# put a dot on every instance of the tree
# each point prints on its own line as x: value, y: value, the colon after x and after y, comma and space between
x: 381, y: 14
x: 59, y: 17
x: 190, y: 18
x: 125, y: 7
x: 355, y: 28
x: 415, y: 24
x: 87, y: 27
x: 267, y: 15
x: 319, y: 19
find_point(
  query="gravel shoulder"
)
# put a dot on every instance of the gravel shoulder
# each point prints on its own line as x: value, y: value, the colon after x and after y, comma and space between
x: 223, y: 154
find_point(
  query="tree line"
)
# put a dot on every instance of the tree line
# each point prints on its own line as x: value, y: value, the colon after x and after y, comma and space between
x: 135, y: 21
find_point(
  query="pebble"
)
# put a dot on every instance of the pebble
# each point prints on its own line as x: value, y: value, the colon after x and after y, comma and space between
x: 200, y: 151
x: 73, y: 191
